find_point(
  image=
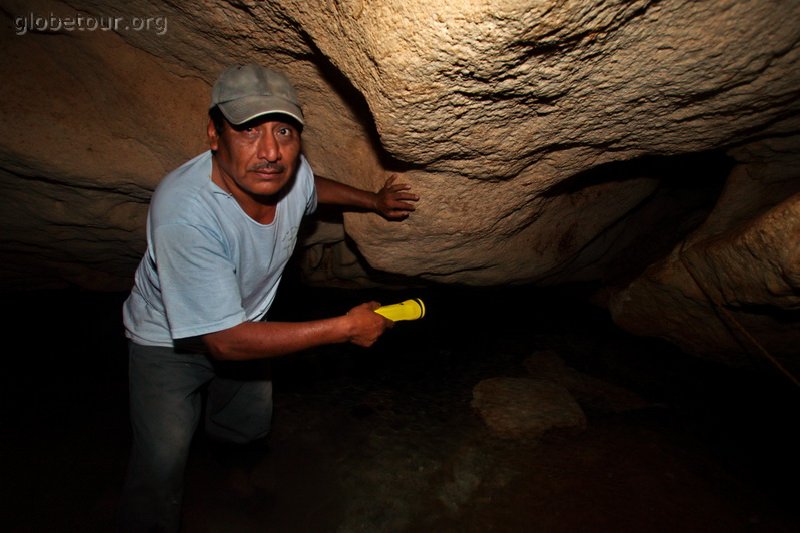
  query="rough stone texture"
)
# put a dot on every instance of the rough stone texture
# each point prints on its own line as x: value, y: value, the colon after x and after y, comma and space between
x: 526, y: 408
x: 732, y: 290
x: 542, y: 136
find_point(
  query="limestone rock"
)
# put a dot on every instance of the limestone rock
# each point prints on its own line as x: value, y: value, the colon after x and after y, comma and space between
x: 541, y: 136
x: 520, y: 407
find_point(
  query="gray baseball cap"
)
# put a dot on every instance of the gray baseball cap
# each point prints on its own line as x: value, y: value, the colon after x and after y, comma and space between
x: 244, y: 92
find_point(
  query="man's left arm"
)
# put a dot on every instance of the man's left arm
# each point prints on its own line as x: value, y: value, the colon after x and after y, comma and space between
x: 393, y: 201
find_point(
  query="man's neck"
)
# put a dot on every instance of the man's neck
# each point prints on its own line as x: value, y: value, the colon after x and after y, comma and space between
x: 259, y: 208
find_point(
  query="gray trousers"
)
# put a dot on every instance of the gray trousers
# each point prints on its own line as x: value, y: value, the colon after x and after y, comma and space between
x: 166, y: 395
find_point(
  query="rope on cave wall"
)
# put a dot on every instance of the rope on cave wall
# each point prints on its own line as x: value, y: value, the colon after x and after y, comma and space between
x: 739, y: 332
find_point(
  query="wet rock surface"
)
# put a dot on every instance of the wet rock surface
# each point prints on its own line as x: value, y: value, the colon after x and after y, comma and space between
x: 393, y: 438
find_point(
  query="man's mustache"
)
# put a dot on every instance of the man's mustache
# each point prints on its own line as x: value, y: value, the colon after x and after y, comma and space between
x: 275, y: 167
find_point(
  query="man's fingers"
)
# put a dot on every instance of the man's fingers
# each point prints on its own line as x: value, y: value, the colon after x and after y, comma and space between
x: 404, y: 196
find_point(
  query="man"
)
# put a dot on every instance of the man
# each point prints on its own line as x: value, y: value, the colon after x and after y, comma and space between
x: 220, y: 231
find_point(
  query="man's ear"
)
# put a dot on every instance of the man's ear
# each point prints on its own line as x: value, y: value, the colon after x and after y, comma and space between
x: 213, y: 136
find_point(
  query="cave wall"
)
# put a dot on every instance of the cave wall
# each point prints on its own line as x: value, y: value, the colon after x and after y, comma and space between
x: 540, y: 135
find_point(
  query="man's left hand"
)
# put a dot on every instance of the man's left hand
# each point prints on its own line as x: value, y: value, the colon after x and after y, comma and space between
x: 394, y: 201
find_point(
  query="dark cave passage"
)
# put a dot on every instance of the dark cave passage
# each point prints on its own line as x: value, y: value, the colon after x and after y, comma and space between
x: 385, y: 439
x: 688, y: 188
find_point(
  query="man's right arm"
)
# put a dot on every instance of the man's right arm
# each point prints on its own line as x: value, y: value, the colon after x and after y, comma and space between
x: 257, y: 340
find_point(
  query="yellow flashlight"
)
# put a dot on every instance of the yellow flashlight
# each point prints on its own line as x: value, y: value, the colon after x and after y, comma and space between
x: 407, y: 310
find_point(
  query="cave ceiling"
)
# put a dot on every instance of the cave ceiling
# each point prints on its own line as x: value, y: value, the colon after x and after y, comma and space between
x: 648, y: 147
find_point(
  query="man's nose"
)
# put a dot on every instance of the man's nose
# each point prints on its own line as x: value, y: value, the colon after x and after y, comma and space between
x: 268, y: 147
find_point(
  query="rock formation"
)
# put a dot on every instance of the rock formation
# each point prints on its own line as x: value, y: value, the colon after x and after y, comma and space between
x: 651, y: 147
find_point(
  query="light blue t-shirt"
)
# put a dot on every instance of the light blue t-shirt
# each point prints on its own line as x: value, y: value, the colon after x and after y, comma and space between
x: 208, y: 265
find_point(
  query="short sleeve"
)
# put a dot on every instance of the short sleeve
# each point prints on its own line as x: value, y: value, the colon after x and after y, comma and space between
x: 199, y: 286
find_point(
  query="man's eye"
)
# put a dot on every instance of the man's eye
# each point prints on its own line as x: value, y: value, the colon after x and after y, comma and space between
x: 285, y: 131
x: 250, y: 133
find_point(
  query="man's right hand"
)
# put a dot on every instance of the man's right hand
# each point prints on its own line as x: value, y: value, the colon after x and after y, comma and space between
x: 367, y: 325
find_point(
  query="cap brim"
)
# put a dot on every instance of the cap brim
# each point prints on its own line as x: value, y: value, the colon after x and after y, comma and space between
x: 247, y: 108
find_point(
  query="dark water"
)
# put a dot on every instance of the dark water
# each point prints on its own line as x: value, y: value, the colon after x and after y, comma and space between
x: 386, y: 439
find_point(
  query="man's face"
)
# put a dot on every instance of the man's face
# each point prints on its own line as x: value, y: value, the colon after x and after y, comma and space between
x: 259, y: 157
